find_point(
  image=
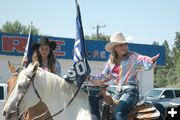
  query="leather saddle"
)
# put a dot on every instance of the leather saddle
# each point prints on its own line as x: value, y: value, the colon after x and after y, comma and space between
x: 144, y: 111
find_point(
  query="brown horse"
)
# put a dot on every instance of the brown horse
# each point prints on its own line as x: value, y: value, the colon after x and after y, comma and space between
x: 37, y: 112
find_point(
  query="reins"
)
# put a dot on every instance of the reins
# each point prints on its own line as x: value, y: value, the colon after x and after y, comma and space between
x: 67, y: 104
x: 21, y: 97
x: 35, y: 89
x: 31, y: 80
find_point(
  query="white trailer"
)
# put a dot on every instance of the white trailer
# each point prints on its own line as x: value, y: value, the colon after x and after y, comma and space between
x: 3, y: 95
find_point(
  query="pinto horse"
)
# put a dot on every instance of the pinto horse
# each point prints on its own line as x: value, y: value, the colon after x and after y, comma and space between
x: 37, y: 112
x: 34, y: 85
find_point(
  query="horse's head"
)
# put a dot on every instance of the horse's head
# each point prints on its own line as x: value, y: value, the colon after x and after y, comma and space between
x: 22, y: 96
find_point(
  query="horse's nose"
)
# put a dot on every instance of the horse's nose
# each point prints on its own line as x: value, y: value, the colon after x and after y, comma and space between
x: 9, y: 115
x: 4, y: 113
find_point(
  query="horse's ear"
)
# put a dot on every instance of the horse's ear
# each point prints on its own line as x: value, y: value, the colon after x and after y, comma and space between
x: 36, y: 65
x: 11, y: 67
x: 33, y: 68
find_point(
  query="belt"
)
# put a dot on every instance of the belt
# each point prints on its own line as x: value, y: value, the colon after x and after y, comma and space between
x: 124, y: 87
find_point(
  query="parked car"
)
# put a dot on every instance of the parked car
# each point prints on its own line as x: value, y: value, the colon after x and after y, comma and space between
x: 173, y: 103
x: 162, y: 94
x: 168, y: 97
x: 163, y: 97
x: 176, y: 101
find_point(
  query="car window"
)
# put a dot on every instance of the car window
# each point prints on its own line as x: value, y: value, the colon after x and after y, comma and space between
x: 1, y: 93
x: 168, y: 94
x: 153, y: 93
x: 177, y: 93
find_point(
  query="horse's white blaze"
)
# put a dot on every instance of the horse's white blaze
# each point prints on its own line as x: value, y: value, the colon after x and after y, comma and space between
x: 54, y: 92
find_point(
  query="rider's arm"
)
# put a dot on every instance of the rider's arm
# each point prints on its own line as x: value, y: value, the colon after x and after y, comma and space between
x: 101, y: 78
x: 145, y: 62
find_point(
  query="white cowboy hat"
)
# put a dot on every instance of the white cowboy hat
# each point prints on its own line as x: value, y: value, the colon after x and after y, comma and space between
x: 115, y: 39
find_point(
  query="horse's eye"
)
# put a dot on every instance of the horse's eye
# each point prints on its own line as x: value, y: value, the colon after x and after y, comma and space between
x: 28, y: 76
x: 20, y: 87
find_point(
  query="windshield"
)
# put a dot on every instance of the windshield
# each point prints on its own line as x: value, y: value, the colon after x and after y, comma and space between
x: 153, y: 93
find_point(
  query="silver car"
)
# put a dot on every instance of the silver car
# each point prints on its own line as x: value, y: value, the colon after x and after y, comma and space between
x: 162, y: 94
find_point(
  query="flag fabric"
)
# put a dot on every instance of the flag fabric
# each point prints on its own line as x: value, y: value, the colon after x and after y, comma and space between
x: 80, y: 69
x: 28, y: 50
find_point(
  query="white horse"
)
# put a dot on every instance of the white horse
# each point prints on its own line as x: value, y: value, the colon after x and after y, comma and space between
x: 35, y: 84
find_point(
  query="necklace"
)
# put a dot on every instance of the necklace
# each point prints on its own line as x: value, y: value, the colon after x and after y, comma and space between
x: 44, y: 64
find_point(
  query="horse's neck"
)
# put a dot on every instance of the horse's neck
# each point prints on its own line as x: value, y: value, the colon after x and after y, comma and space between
x: 55, y: 92
x: 56, y: 85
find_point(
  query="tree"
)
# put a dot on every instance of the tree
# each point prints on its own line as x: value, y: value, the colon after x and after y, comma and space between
x: 177, y: 70
x: 177, y: 40
x: 155, y: 43
x: 169, y: 61
x: 17, y: 28
x: 176, y: 48
x: 94, y: 37
x: 168, y: 76
x: 165, y: 75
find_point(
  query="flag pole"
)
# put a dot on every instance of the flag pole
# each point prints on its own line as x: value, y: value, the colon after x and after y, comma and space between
x: 27, y: 46
x: 28, y: 40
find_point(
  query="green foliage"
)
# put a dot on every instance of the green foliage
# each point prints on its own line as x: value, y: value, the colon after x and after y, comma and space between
x: 100, y: 37
x: 168, y: 75
x: 160, y: 76
x: 177, y: 40
x: 177, y: 69
x: 17, y: 28
x: 169, y: 61
x: 155, y: 43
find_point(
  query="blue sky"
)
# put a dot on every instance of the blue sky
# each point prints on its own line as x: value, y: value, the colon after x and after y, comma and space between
x: 143, y: 20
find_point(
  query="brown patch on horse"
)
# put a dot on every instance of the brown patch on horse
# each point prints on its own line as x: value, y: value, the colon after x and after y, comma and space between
x: 37, y: 112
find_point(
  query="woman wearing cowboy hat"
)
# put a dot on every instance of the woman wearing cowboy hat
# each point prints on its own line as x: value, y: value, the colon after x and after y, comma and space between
x: 43, y: 53
x: 123, y: 67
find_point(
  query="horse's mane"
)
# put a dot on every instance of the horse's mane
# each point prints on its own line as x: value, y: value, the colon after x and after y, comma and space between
x: 55, y: 82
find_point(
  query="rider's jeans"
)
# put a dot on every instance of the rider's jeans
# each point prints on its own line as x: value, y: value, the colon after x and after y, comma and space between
x: 127, y: 102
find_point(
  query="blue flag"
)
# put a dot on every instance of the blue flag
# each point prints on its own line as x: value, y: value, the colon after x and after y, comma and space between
x: 28, y: 50
x: 80, y: 69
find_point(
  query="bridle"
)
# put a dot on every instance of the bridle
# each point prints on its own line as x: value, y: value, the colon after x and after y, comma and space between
x: 35, y: 90
x: 25, y: 90
x: 15, y: 74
